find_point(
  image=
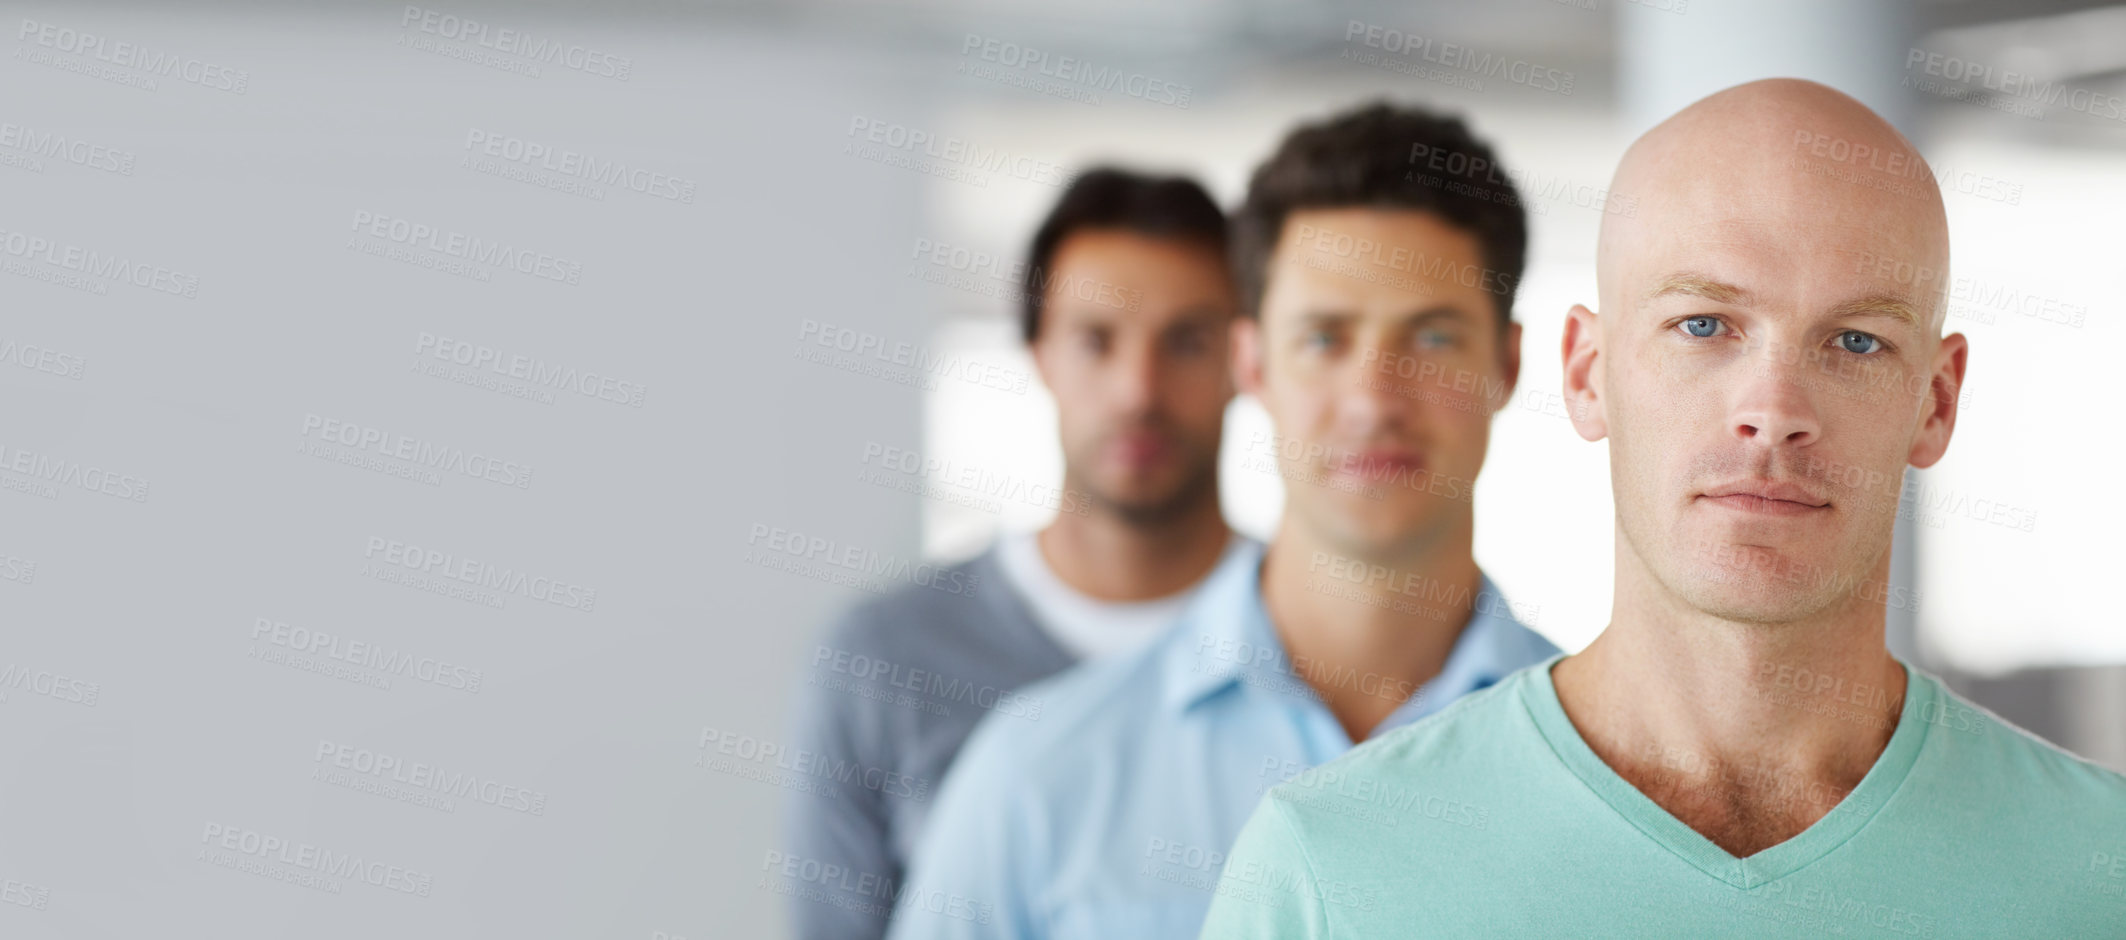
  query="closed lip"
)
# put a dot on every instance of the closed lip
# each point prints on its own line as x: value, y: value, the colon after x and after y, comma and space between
x: 1766, y: 496
x: 1376, y: 462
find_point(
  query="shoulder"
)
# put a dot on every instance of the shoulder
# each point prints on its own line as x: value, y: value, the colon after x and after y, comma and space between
x: 1987, y: 749
x: 1019, y: 783
x: 1472, y: 725
x: 1057, y: 720
x: 1442, y: 765
x: 952, y: 599
x: 902, y: 678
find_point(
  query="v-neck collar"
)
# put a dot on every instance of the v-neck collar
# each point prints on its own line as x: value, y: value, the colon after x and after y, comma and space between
x: 1841, y: 823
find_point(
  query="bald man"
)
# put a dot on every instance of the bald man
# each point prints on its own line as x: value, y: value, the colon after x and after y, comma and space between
x: 1738, y: 754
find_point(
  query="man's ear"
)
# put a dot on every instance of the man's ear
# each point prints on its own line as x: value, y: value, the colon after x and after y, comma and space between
x: 1944, y: 388
x: 1583, y: 373
x: 1510, y: 366
x: 1247, y: 355
x: 1034, y: 348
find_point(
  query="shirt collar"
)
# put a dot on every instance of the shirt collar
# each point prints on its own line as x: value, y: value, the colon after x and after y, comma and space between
x: 1224, y: 629
x: 1225, y: 637
x: 1493, y: 646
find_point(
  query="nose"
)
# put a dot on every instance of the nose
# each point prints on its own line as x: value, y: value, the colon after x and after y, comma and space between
x: 1136, y: 378
x: 1373, y: 397
x: 1775, y: 407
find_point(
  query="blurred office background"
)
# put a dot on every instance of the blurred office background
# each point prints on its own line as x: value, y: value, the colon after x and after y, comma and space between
x: 801, y: 225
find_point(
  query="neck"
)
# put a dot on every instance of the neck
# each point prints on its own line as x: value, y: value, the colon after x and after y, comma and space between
x: 1388, y: 618
x: 1748, y: 732
x: 1106, y: 556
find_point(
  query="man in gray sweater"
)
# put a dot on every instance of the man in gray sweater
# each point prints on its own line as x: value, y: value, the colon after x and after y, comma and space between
x: 1126, y: 309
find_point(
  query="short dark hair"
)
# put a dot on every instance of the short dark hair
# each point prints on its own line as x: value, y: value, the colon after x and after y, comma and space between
x: 1383, y: 156
x: 1111, y: 197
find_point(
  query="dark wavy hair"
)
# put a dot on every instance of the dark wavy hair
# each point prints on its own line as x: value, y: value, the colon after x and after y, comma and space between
x: 1383, y: 156
x: 1111, y: 197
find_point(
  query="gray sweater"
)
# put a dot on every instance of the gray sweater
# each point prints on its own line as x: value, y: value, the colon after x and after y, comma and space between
x: 888, y: 696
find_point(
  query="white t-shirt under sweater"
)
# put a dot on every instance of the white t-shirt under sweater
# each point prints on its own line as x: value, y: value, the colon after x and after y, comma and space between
x: 1086, y: 626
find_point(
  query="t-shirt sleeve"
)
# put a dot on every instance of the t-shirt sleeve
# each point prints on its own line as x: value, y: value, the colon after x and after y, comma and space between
x: 1267, y: 889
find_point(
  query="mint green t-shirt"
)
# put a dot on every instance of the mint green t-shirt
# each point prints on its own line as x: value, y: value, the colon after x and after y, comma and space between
x: 1495, y: 819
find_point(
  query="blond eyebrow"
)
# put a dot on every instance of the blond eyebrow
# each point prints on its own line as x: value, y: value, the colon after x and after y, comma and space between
x: 1872, y: 305
x: 1881, y: 305
x: 1698, y: 285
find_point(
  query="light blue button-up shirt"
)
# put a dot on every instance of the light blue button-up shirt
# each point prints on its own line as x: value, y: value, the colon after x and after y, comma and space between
x: 1109, y: 818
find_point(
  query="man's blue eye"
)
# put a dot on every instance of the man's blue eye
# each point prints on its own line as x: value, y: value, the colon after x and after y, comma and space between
x: 1858, y: 343
x: 1701, y: 326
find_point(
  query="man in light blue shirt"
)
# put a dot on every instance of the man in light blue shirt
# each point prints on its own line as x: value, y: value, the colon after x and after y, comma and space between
x: 1377, y: 254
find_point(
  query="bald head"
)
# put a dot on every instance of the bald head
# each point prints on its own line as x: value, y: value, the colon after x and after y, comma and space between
x: 1780, y: 165
x: 1768, y: 357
